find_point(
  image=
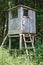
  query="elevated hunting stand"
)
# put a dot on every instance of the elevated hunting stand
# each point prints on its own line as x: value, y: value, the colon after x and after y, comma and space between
x: 22, y: 23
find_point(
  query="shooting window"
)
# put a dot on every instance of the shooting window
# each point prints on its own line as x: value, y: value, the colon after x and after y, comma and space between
x: 25, y: 12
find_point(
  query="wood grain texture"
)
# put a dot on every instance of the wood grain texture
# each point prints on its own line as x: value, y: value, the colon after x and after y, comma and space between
x: 22, y: 24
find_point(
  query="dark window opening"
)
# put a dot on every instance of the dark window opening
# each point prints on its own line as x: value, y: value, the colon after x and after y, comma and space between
x: 25, y: 13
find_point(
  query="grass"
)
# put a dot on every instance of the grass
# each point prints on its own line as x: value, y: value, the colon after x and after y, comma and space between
x: 7, y: 59
x: 15, y: 58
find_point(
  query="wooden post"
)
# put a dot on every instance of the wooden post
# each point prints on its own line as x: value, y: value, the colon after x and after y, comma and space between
x: 9, y: 43
x: 20, y: 44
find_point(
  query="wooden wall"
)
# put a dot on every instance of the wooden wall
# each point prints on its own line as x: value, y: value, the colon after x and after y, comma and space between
x: 22, y: 24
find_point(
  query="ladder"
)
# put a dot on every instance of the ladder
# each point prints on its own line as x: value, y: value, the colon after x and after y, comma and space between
x: 30, y: 41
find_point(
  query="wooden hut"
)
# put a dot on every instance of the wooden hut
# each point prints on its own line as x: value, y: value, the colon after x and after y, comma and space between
x: 21, y: 19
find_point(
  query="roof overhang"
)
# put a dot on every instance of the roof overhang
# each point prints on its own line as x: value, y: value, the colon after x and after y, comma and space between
x: 16, y: 7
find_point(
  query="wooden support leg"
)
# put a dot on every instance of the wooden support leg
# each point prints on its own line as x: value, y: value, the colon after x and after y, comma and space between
x: 9, y: 43
x: 20, y: 44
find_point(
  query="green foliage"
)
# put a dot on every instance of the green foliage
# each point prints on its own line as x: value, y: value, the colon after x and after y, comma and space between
x: 41, y: 31
x: 39, y: 52
x: 15, y: 58
x: 6, y: 59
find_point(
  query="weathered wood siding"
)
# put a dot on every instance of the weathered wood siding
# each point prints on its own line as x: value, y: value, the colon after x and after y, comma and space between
x: 29, y: 23
x: 20, y: 16
x: 25, y: 25
x: 22, y: 24
x: 32, y: 21
x: 14, y: 25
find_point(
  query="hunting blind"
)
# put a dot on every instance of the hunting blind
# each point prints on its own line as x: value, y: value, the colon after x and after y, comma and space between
x: 21, y: 19
x: 22, y: 22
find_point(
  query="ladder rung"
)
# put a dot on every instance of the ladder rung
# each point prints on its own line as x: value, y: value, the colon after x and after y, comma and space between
x: 14, y: 36
x: 28, y: 41
x: 30, y: 48
x: 27, y: 36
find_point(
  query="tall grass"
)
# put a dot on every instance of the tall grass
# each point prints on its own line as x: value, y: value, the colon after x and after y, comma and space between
x: 7, y: 59
x: 11, y: 58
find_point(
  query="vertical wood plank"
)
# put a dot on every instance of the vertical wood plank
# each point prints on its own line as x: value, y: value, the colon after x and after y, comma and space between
x: 9, y: 43
x: 20, y: 44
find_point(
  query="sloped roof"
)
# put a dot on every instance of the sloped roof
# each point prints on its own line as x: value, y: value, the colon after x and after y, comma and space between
x: 16, y: 7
